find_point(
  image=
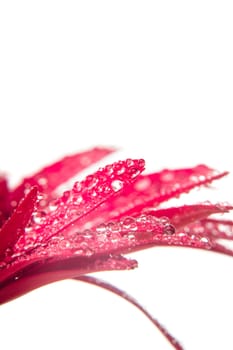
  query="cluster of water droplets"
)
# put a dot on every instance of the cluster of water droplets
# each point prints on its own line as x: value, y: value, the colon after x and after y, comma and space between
x: 65, y: 213
x: 80, y: 200
x: 114, y: 236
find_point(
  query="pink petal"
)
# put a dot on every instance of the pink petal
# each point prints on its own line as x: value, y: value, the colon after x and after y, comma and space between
x: 15, y: 225
x: 36, y: 274
x: 52, y: 176
x: 186, y: 214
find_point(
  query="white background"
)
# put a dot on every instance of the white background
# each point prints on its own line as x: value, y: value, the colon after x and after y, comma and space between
x: 154, y: 78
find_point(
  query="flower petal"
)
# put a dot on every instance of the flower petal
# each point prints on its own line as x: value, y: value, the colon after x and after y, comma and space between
x: 37, y: 274
x: 15, y: 225
x: 54, y: 175
x: 186, y: 214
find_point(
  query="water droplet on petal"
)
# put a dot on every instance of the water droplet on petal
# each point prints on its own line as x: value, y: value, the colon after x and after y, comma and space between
x: 129, y: 162
x: 77, y: 199
x: 116, y: 185
x: 52, y: 206
x: 38, y: 217
x: 169, y: 229
x: 133, y: 172
x: 109, y: 169
x: 164, y: 220
x: 101, y: 228
x: 91, y: 181
x: 28, y: 230
x: 77, y: 186
x: 64, y: 244
x: 204, y: 240
x: 114, y: 227
x: 129, y: 223
x: 65, y: 196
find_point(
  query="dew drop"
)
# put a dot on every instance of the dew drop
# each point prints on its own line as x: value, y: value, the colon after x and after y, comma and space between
x: 77, y: 186
x: 109, y: 169
x: 141, y: 163
x: 113, y: 227
x: 91, y: 181
x: 65, y: 196
x: 120, y: 170
x: 77, y: 199
x: 116, y: 185
x: 164, y: 220
x: 169, y: 229
x: 64, y: 244
x: 52, y: 206
x: 129, y: 223
x: 87, y: 234
x: 129, y: 162
x: 131, y: 236
x: 204, y: 240
x: 38, y: 217
x: 101, y: 228
x: 28, y: 230
x: 133, y: 172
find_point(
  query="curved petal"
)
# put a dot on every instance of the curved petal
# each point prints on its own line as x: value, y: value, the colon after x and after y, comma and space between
x: 15, y: 225
x: 38, y: 273
x: 54, y: 175
x: 186, y: 214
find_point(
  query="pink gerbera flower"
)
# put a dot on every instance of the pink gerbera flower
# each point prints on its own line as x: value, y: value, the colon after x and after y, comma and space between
x: 45, y: 237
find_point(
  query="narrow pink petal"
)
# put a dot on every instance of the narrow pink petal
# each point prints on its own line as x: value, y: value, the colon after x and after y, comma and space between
x: 15, y: 225
x: 36, y: 273
x: 186, y: 214
x: 52, y: 176
x: 70, y: 212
